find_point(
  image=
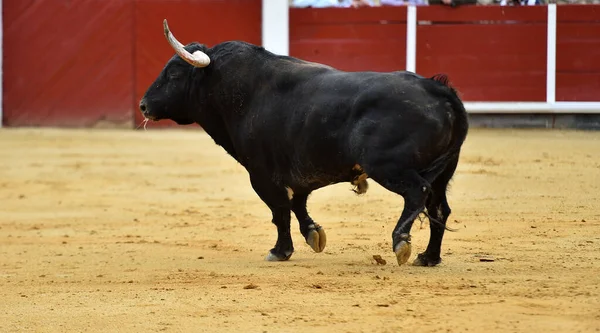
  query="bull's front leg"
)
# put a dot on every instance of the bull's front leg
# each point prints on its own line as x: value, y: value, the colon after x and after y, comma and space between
x: 313, y: 233
x: 276, y: 198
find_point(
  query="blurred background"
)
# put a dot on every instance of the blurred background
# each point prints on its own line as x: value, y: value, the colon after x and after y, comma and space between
x: 86, y: 63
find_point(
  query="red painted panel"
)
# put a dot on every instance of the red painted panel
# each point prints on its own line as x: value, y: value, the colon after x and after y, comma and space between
x: 353, y: 55
x: 463, y: 14
x: 496, y: 62
x: 578, y: 47
x: 67, y: 63
x: 578, y: 13
x: 578, y: 60
x: 207, y: 22
x: 349, y: 32
x: 350, y: 39
x: 580, y: 87
x: 316, y: 16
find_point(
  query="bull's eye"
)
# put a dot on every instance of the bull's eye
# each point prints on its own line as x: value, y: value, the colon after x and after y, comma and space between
x: 173, y: 73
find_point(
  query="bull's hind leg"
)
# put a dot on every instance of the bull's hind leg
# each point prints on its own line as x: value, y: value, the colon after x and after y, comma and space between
x: 438, y: 211
x: 414, y: 189
x: 276, y: 198
x: 312, y: 232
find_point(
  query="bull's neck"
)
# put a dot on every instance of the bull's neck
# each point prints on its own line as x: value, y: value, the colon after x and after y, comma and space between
x: 210, y: 118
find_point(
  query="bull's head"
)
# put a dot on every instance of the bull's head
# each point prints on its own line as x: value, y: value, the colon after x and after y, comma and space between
x: 168, y: 96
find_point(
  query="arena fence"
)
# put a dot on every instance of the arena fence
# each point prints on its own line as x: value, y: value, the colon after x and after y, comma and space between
x: 517, y: 78
x: 550, y: 105
x: 80, y: 65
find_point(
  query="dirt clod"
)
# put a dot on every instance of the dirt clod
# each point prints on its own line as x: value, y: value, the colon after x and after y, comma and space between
x: 379, y: 260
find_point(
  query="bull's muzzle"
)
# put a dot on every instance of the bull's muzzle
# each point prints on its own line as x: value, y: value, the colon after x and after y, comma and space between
x: 145, y: 110
x: 143, y: 106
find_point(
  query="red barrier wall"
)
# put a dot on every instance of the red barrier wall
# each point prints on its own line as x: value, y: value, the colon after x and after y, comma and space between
x: 77, y: 63
x: 578, y: 53
x: 350, y: 39
x: 67, y: 63
x: 500, y: 59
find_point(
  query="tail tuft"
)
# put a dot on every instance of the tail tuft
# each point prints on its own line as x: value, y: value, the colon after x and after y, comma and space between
x: 443, y: 79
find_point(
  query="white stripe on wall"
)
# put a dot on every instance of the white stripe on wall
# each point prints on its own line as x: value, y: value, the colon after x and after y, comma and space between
x: 551, y: 55
x: 411, y: 38
x: 275, y: 26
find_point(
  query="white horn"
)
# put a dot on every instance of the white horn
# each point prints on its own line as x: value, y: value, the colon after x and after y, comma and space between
x: 197, y: 59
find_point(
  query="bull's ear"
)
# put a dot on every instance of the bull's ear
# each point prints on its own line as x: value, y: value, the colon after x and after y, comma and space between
x: 196, y: 59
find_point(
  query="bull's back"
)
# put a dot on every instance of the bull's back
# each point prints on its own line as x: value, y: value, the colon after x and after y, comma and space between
x: 400, y: 114
x: 320, y: 126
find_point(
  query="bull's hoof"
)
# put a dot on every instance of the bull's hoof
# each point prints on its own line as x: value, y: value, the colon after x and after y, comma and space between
x: 402, y: 250
x: 424, y: 260
x: 277, y: 257
x: 316, y: 238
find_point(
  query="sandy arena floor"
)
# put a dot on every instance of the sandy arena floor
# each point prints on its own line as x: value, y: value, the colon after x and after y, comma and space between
x: 113, y: 230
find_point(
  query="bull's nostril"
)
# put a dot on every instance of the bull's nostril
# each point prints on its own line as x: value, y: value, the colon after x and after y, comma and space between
x: 143, y: 107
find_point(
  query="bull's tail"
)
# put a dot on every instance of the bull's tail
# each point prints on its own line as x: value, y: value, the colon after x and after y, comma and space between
x: 460, y: 127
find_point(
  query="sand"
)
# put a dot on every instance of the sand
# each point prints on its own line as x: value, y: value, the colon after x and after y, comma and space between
x: 142, y: 231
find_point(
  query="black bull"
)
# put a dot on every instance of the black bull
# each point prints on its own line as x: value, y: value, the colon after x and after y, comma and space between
x: 298, y: 126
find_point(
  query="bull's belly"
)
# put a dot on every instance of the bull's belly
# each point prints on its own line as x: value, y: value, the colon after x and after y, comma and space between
x: 318, y: 178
